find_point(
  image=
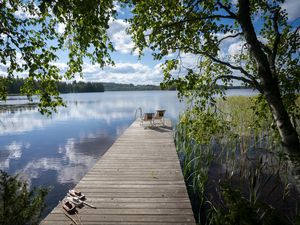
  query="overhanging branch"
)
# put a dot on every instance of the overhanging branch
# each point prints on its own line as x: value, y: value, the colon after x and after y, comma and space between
x: 232, y: 77
x: 277, y: 38
x: 230, y: 36
x: 241, y: 69
x: 227, y: 9
x: 195, y: 19
x: 250, y: 77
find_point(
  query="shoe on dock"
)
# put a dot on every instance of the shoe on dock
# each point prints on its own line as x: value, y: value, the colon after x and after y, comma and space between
x: 77, y: 193
x: 68, y: 205
x: 75, y: 200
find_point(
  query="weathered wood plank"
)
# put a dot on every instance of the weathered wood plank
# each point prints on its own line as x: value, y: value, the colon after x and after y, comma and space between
x: 132, y: 211
x: 119, y: 223
x: 137, y: 181
x: 135, y: 194
x: 128, y: 190
x: 126, y: 218
x: 139, y: 200
x: 147, y: 205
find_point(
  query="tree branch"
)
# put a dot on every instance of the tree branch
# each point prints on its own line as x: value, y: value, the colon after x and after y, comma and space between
x: 195, y: 19
x: 294, y: 40
x: 227, y: 9
x: 230, y: 36
x: 265, y: 48
x: 231, y: 77
x: 239, y: 68
x: 250, y: 78
x: 277, y: 39
x: 191, y: 6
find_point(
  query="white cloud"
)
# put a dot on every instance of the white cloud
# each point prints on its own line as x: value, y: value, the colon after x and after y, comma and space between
x: 292, y: 7
x: 235, y: 2
x: 61, y: 28
x: 236, y: 48
x: 23, y: 12
x: 4, y: 37
x: 116, y: 26
x: 122, y: 72
x: 19, y: 61
x: 135, y: 73
x: 88, y: 68
x: 60, y: 65
x: 121, y: 40
x: 189, y: 60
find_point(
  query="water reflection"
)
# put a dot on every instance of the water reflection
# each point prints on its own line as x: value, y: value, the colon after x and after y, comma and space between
x: 105, y: 107
x: 10, y: 152
x: 58, y: 151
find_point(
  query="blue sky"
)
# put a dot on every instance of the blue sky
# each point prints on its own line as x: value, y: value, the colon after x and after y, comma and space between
x: 128, y: 68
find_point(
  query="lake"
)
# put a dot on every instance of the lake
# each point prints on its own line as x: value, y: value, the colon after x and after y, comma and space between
x: 58, y: 151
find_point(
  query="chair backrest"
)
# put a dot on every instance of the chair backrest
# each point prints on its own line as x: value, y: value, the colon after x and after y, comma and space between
x: 160, y: 114
x: 148, y: 116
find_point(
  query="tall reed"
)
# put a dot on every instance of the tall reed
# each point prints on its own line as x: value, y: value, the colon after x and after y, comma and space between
x: 235, y: 169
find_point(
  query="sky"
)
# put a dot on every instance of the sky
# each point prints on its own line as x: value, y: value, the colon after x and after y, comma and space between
x: 128, y: 67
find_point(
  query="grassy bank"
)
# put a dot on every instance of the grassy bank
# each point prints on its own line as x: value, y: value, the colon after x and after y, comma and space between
x: 234, y: 166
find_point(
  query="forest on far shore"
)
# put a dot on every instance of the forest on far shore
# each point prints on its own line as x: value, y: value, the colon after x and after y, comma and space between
x: 15, y: 84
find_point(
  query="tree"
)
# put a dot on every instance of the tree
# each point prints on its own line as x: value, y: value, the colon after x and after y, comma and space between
x: 30, y: 42
x: 19, y: 206
x: 268, y: 60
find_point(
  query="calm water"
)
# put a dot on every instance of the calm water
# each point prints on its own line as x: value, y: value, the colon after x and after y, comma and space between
x: 58, y: 151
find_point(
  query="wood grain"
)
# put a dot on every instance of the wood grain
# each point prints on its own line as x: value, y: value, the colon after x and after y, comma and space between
x: 137, y: 181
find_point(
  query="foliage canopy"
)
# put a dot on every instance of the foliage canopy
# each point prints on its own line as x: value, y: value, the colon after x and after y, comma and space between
x: 267, y: 60
x: 30, y: 42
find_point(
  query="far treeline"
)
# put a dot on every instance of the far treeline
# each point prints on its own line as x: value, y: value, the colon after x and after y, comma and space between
x: 129, y: 87
x: 15, y: 84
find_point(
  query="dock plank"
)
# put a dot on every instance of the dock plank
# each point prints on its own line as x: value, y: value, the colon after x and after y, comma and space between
x: 137, y: 181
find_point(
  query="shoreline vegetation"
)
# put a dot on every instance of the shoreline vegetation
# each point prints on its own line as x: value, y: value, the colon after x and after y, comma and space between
x: 15, y: 84
x: 236, y: 171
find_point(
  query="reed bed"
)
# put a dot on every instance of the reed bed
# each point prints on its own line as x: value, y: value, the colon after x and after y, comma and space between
x: 234, y: 166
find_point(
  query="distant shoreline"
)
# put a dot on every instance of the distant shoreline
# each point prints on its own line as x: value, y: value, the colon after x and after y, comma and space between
x: 230, y: 88
x: 14, y: 87
x: 133, y: 89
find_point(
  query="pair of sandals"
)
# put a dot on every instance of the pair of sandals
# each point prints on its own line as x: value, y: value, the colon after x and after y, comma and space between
x: 75, y: 198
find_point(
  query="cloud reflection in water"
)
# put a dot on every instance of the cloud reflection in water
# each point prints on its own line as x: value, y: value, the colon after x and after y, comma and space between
x: 11, y: 151
x: 61, y: 149
x: 106, y: 107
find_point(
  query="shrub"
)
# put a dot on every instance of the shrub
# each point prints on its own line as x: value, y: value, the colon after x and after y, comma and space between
x: 18, y: 205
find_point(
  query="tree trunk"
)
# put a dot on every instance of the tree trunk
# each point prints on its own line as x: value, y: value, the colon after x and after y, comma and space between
x: 269, y: 83
x: 270, y: 89
x: 288, y: 133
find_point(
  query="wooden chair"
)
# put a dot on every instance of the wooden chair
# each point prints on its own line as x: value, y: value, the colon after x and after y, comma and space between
x: 159, y: 116
x: 147, y: 117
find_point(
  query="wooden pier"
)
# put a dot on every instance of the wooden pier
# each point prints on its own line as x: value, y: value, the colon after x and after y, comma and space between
x: 137, y: 181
